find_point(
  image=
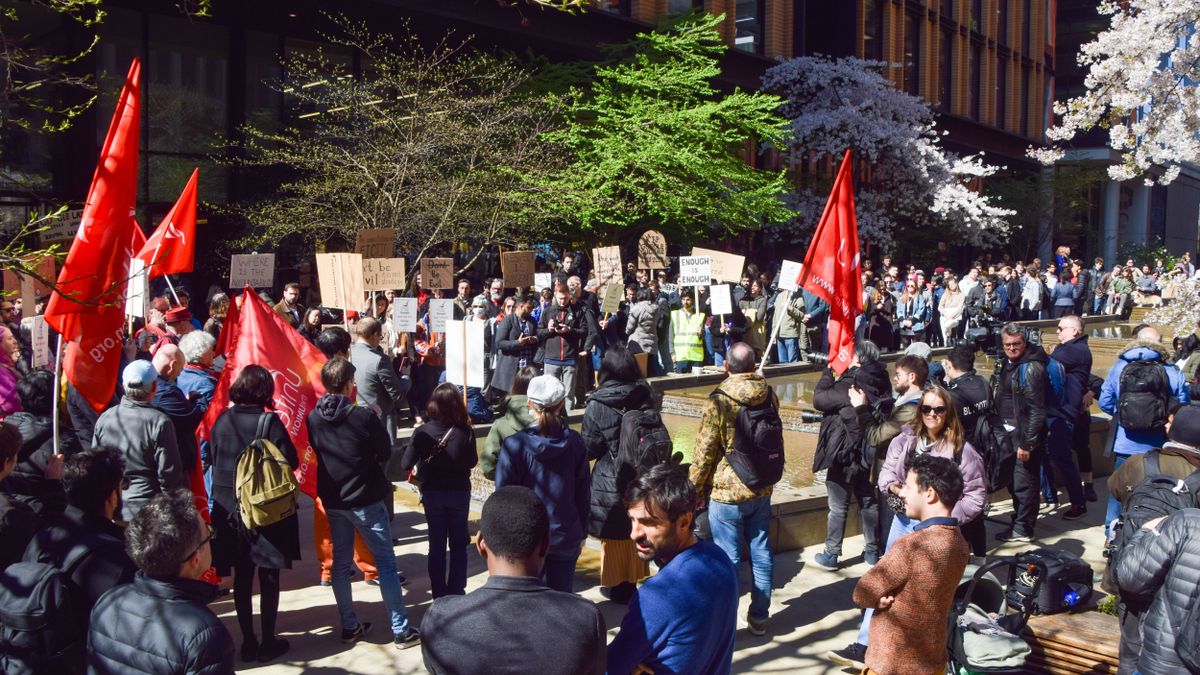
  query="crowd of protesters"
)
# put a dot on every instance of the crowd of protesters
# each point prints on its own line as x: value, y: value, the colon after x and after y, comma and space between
x: 105, y: 502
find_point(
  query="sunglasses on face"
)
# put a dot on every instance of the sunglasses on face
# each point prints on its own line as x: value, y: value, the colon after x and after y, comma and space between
x: 933, y: 410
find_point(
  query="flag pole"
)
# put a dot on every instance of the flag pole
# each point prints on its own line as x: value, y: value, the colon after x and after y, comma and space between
x: 57, y: 389
x: 168, y: 280
x: 774, y: 331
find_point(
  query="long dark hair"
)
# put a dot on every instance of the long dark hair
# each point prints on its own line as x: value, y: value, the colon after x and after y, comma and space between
x: 446, y: 406
x: 619, y: 365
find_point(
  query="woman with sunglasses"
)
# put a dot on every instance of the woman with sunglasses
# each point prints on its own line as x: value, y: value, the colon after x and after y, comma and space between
x: 936, y: 429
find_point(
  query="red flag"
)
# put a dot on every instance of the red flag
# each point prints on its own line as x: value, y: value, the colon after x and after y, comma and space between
x: 263, y: 337
x: 87, y: 307
x: 172, y: 247
x: 830, y: 269
x: 226, y: 338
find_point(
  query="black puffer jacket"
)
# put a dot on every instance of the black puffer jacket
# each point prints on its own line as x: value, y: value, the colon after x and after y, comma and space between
x: 159, y: 626
x: 841, y: 424
x: 28, y: 482
x: 1164, y: 566
x: 601, y: 433
x: 1027, y: 402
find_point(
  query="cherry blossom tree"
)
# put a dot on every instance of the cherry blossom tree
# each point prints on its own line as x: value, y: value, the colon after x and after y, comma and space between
x: 1141, y: 85
x: 904, y: 175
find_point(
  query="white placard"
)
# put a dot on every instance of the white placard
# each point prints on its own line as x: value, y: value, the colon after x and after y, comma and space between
x: 694, y: 271
x: 137, y: 289
x: 39, y: 334
x: 668, y: 288
x: 788, y: 273
x: 254, y: 270
x: 472, y: 350
x: 542, y: 280
x: 718, y: 299
x: 440, y: 312
x: 404, y: 315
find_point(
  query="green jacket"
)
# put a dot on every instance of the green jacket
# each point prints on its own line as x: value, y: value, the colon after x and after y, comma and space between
x: 517, y: 416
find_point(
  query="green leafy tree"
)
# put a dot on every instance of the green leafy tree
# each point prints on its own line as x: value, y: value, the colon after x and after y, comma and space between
x: 654, y: 142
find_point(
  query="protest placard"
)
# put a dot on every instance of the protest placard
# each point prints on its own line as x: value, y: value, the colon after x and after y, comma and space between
x: 341, y: 278
x: 542, y: 280
x: 440, y: 313
x: 518, y: 268
x: 613, y: 295
x: 138, y: 289
x: 404, y: 315
x: 376, y: 243
x: 61, y: 230
x: 668, y: 288
x: 607, y: 263
x: 465, y: 353
x: 256, y: 270
x: 28, y: 288
x: 725, y: 266
x: 437, y: 273
x: 789, y: 272
x: 694, y: 271
x: 718, y: 299
x: 39, y: 334
x: 652, y: 251
x: 381, y: 274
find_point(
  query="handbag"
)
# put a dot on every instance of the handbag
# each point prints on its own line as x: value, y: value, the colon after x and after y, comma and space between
x: 420, y: 470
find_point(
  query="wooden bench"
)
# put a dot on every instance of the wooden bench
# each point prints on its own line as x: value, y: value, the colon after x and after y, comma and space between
x: 1085, y: 643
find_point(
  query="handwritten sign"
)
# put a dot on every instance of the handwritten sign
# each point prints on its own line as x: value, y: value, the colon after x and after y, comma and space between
x: 137, y: 290
x: 39, y: 339
x: 437, y: 273
x: 542, y: 280
x: 718, y: 299
x: 668, y: 288
x: 789, y: 272
x: 381, y: 274
x: 694, y: 271
x: 607, y: 261
x: 613, y: 295
x: 376, y: 243
x: 441, y: 312
x: 652, y: 251
x: 28, y: 288
x: 465, y: 353
x: 341, y: 279
x: 518, y: 268
x: 61, y: 230
x: 404, y: 315
x: 725, y: 266
x: 254, y: 270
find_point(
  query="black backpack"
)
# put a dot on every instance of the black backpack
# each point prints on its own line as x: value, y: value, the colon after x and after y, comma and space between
x: 1144, y: 392
x: 996, y: 448
x: 757, y: 456
x: 40, y: 630
x: 644, y: 442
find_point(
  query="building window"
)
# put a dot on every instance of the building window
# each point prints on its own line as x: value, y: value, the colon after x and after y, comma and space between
x: 682, y: 6
x: 615, y: 6
x: 1002, y: 21
x: 872, y: 30
x: 1001, y: 91
x: 976, y: 69
x: 1026, y: 97
x: 748, y: 18
x: 1027, y: 38
x: 945, y: 74
x: 912, y: 63
x: 948, y: 8
x: 977, y: 16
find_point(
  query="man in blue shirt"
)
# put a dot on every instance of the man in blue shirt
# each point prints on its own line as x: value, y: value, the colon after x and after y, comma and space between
x: 681, y: 620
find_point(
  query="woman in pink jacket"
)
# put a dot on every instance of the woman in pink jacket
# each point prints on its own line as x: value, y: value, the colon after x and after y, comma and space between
x: 9, y: 376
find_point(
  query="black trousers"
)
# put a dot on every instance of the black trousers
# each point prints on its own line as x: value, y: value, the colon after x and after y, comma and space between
x: 1081, y: 441
x: 1026, y: 491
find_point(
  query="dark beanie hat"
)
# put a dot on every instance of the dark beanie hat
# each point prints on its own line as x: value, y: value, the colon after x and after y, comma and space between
x: 1185, y: 428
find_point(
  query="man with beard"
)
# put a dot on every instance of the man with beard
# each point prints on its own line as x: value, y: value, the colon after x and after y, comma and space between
x: 681, y: 620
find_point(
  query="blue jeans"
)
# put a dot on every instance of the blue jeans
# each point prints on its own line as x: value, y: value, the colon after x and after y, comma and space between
x: 373, y: 524
x: 732, y: 524
x: 446, y: 514
x: 1114, y: 507
x: 558, y: 572
x: 789, y: 349
x: 901, y: 526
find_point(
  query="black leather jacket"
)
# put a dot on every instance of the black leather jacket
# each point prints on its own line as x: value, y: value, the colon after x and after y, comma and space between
x: 1028, y: 398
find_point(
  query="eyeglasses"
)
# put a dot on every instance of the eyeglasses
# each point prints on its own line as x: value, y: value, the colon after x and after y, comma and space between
x: 202, y: 543
x: 933, y: 410
x: 1013, y: 345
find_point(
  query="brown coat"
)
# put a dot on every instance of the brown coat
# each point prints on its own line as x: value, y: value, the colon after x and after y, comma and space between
x: 1171, y: 461
x: 922, y: 570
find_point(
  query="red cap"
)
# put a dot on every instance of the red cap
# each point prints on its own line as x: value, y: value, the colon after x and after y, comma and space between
x: 179, y: 314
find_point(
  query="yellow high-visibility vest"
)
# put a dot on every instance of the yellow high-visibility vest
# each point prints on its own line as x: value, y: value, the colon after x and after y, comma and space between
x: 688, y: 340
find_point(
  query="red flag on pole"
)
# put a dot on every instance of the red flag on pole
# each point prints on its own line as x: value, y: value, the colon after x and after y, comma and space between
x: 172, y: 247
x: 263, y: 337
x: 831, y: 267
x: 87, y: 307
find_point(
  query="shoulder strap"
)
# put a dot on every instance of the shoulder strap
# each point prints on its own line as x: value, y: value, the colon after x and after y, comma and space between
x: 264, y: 421
x: 1150, y: 466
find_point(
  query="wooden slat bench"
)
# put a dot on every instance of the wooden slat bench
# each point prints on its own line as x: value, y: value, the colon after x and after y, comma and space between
x: 1085, y: 643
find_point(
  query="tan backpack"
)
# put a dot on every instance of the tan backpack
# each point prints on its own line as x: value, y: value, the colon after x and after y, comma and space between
x: 265, y: 485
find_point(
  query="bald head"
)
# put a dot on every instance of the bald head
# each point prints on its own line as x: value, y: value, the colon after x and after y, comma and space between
x: 740, y: 358
x: 168, y: 361
x: 1149, y: 334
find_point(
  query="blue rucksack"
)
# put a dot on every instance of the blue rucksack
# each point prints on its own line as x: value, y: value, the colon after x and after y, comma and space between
x: 1058, y: 383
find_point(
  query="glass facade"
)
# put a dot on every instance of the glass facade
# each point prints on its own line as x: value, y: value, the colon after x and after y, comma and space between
x: 975, y: 80
x: 749, y: 22
x: 945, y: 71
x: 872, y: 30
x: 912, y: 61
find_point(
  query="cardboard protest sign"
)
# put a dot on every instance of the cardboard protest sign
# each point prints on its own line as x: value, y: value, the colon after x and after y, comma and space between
x: 255, y: 270
x: 789, y: 272
x: 441, y: 312
x: 404, y: 315
x: 607, y: 263
x: 61, y: 230
x: 376, y: 243
x: 613, y: 295
x: 518, y: 268
x: 725, y: 266
x: 39, y: 334
x: 652, y: 251
x: 137, y: 290
x: 465, y: 353
x: 381, y: 274
x: 668, y: 288
x: 694, y: 271
x: 437, y: 273
x: 341, y: 279
x: 27, y: 288
x: 542, y: 280
x: 719, y: 300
